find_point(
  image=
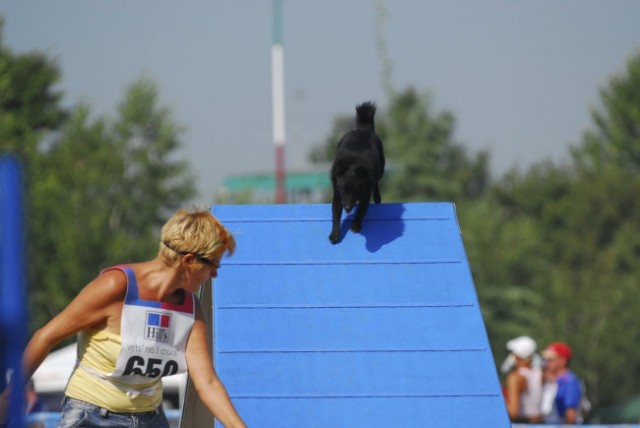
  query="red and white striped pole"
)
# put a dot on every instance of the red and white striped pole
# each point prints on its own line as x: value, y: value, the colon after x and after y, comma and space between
x: 277, y: 88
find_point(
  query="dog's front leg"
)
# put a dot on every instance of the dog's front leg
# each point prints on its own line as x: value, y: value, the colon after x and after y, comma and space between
x: 357, y: 221
x: 336, y: 212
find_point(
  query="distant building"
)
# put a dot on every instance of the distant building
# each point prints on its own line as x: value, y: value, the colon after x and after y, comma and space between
x: 301, y: 187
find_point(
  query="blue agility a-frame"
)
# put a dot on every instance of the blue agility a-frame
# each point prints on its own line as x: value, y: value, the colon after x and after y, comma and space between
x: 382, y: 329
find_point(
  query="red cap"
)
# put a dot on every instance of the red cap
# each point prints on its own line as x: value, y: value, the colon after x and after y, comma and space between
x: 561, y: 349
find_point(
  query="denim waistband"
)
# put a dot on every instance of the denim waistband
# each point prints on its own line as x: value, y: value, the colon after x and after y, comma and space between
x: 106, y: 412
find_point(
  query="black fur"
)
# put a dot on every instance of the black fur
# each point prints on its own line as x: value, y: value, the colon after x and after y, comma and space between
x: 357, y: 167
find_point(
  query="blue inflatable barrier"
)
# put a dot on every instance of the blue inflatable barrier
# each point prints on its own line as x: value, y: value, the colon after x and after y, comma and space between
x: 13, y: 307
x: 381, y: 329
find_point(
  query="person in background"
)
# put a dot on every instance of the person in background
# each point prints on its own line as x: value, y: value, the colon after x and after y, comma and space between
x: 136, y: 323
x: 524, y: 382
x: 567, y: 386
x: 549, y: 390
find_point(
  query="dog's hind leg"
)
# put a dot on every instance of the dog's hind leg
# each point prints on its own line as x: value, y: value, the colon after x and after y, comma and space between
x: 357, y: 221
x: 376, y: 193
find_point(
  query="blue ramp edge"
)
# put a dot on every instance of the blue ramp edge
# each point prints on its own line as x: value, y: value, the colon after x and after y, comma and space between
x: 382, y: 329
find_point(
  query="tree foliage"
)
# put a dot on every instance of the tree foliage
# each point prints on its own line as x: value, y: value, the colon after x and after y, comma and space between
x: 583, y: 237
x: 586, y: 237
x: 124, y: 182
x: 97, y: 190
x: 615, y: 137
x: 426, y: 162
x: 30, y: 112
x: 599, y: 242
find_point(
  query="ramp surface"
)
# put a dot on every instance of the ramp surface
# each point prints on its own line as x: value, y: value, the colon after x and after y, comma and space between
x: 382, y: 329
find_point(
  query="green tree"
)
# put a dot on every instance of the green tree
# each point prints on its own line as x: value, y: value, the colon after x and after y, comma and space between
x: 30, y: 113
x: 155, y: 182
x: 587, y: 234
x: 504, y: 254
x: 70, y: 198
x: 107, y: 187
x: 615, y: 138
x: 29, y: 103
x: 426, y: 163
x: 557, y: 243
x: 96, y: 190
x: 552, y: 249
x: 576, y: 238
x: 604, y: 238
x: 600, y: 237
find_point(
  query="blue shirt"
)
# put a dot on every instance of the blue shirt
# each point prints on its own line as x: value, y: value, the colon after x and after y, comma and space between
x: 568, y: 395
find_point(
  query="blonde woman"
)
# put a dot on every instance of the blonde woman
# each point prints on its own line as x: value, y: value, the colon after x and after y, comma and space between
x: 137, y: 323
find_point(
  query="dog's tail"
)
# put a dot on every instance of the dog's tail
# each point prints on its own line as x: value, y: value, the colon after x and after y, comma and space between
x: 364, y: 115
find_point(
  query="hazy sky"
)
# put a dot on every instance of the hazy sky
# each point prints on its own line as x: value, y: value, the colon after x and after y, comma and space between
x: 519, y: 76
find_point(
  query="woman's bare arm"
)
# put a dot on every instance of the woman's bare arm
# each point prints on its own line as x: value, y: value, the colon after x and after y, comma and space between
x: 93, y: 306
x: 205, y: 380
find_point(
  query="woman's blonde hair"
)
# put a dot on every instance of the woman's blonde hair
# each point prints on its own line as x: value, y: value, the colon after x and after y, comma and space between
x: 194, y: 232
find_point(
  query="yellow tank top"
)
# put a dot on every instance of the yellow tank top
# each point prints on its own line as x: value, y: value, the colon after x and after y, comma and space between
x: 97, y: 354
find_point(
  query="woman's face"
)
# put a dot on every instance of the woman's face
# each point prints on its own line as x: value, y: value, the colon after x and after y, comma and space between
x: 202, y: 269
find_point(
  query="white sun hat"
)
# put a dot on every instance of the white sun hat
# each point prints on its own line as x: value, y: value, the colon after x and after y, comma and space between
x: 523, y: 346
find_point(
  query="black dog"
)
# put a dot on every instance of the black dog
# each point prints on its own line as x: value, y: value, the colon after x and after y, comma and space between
x: 357, y: 167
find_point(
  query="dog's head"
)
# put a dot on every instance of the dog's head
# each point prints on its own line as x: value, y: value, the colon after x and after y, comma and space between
x: 354, y: 185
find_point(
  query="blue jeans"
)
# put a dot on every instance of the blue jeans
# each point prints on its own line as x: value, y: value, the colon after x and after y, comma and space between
x: 76, y: 413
